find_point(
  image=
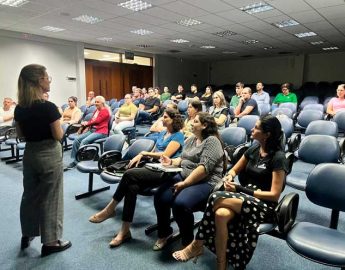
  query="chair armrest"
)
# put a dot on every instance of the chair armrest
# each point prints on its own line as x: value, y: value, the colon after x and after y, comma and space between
x: 72, y: 129
x: 286, y: 212
x: 294, y: 142
x: 238, y: 153
x: 290, y: 157
x: 87, y: 152
x: 10, y: 133
x: 108, y: 158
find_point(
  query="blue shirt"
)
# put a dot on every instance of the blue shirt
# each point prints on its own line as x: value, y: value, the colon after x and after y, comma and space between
x: 162, y: 144
x: 263, y: 98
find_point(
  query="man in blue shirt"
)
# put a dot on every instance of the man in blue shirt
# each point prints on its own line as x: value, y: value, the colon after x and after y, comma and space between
x: 261, y: 96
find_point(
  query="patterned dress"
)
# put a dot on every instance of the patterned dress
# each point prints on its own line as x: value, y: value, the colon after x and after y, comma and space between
x: 242, y: 237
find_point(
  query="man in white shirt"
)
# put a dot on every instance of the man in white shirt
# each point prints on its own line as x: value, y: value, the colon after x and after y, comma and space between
x: 6, y: 114
x: 261, y: 96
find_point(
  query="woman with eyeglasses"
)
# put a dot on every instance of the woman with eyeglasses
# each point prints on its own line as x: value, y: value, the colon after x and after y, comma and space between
x: 125, y: 115
x: 219, y: 110
x: 38, y: 121
x: 337, y: 103
x: 72, y: 114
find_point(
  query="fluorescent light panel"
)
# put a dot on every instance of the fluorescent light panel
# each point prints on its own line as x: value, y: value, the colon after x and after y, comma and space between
x: 135, y: 5
x: 189, y: 22
x: 180, y: 40
x: 228, y: 52
x: 316, y: 42
x: 107, y: 39
x: 305, y: 34
x: 87, y: 19
x: 250, y: 41
x: 286, y: 23
x: 225, y: 33
x: 52, y: 28
x: 330, y: 48
x: 256, y: 8
x: 208, y: 47
x: 268, y: 48
x: 13, y: 3
x: 144, y: 46
x: 142, y: 32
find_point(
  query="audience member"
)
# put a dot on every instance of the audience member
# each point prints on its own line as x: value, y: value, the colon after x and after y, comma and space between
x: 157, y: 92
x: 232, y: 216
x: 134, y: 180
x: 193, y: 92
x: 236, y: 98
x: 261, y: 97
x: 166, y: 94
x: 158, y: 125
x: 144, y: 94
x: 285, y: 96
x: 179, y: 94
x: 337, y: 103
x: 136, y: 96
x: 125, y: 116
x: 246, y: 105
x: 72, y: 114
x: 206, y: 98
x: 148, y: 107
x: 6, y: 115
x: 38, y: 121
x: 194, y: 107
x: 90, y: 98
x: 202, y: 163
x: 96, y: 128
x: 219, y: 110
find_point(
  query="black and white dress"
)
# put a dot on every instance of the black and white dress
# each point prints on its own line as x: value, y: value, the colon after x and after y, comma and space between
x: 243, y: 236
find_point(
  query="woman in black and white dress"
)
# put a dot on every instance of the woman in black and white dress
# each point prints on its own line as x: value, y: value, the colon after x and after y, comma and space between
x: 232, y: 216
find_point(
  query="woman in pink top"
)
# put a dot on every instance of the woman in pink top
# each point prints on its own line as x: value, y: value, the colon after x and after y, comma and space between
x: 337, y: 103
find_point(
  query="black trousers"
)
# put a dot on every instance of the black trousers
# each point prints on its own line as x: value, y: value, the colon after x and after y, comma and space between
x: 133, y: 182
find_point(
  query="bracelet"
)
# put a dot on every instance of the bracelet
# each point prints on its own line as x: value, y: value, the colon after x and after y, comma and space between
x: 245, y: 190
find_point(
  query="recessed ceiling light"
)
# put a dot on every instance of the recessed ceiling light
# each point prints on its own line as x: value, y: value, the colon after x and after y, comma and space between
x: 87, y: 19
x: 52, y: 28
x: 144, y: 46
x: 135, y: 5
x: 256, y: 8
x: 306, y: 34
x: 268, y: 48
x: 180, y: 40
x: 316, y: 42
x: 106, y: 39
x: 225, y: 33
x: 208, y: 47
x: 142, y: 32
x: 13, y: 3
x: 228, y: 52
x: 189, y: 22
x: 250, y: 41
x: 86, y: 53
x: 286, y: 23
x: 330, y: 48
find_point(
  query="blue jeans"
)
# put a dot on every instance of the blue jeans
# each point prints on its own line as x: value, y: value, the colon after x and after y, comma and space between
x: 83, y: 139
x: 183, y: 205
x: 143, y: 116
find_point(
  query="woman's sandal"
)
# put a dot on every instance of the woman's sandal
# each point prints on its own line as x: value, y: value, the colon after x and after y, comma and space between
x: 100, y: 217
x: 189, y: 252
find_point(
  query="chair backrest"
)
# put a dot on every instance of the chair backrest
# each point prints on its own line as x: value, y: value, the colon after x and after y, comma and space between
x: 182, y: 106
x: 322, y: 127
x: 339, y: 118
x: 233, y: 136
x: 285, y: 111
x: 287, y: 125
x: 114, y: 105
x: 264, y: 109
x: 114, y: 142
x: 83, y: 108
x: 87, y: 117
x: 248, y: 122
x: 315, y: 106
x: 318, y: 149
x: 290, y: 105
x: 325, y: 184
x: 306, y: 117
x: 309, y: 100
x: 90, y: 109
x: 138, y: 146
x: 165, y: 103
x: 64, y: 106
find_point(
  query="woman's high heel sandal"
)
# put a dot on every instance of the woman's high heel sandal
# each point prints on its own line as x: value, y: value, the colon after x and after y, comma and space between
x: 189, y: 252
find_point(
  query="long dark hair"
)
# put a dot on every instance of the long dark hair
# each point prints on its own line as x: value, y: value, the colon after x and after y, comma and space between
x: 270, y: 124
x: 177, y: 123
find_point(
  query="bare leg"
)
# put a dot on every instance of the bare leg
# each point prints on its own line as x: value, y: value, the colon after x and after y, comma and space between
x: 193, y: 250
x: 105, y: 213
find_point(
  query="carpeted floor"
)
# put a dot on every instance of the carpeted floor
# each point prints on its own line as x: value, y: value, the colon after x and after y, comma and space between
x: 90, y: 241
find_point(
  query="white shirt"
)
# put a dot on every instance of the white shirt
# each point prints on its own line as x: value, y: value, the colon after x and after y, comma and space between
x: 4, y: 113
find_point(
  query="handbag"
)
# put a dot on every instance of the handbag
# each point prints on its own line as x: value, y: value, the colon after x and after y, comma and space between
x: 121, y: 166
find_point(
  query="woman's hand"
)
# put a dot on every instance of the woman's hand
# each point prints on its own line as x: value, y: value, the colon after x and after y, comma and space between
x: 84, y: 123
x: 230, y: 186
x: 179, y: 186
x: 135, y: 161
x: 165, y: 161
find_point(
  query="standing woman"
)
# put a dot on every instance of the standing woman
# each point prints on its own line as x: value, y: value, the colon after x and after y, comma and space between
x: 219, y: 110
x: 231, y: 218
x: 38, y: 121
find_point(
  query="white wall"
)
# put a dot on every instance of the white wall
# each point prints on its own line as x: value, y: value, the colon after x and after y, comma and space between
x: 170, y: 71
x: 61, y: 58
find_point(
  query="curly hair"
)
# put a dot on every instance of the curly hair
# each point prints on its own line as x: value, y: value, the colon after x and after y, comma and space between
x: 211, y: 125
x: 177, y: 123
x: 270, y: 124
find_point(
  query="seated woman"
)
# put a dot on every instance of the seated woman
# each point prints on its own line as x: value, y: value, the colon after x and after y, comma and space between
x: 72, y: 114
x: 231, y: 218
x: 158, y: 126
x: 124, y: 117
x: 97, y: 128
x: 166, y: 95
x: 219, y: 110
x: 202, y: 163
x: 206, y: 98
x: 337, y: 103
x: 194, y: 107
x: 134, y: 180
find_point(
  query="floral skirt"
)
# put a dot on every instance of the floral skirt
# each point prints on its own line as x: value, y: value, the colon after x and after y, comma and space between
x: 242, y: 230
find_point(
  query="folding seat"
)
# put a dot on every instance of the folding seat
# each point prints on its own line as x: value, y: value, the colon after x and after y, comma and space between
x: 290, y: 105
x: 325, y: 245
x: 305, y: 117
x: 285, y: 111
x: 64, y: 106
x: 339, y: 118
x: 313, y: 150
x: 309, y: 100
x: 264, y: 109
x: 314, y: 106
x: 182, y: 106
x: 233, y: 137
x: 248, y: 123
x: 112, y: 147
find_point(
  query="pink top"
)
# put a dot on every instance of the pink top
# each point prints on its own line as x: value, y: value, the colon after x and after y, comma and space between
x: 337, y: 104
